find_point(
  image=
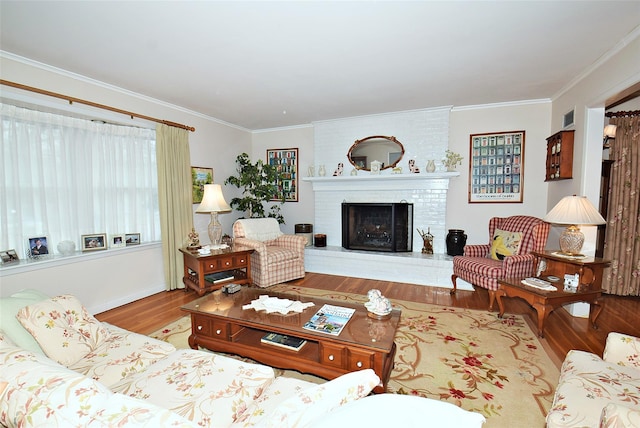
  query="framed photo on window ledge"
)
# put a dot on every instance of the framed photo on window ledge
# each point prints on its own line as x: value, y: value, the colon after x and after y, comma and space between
x: 94, y: 242
x: 132, y: 239
x: 38, y: 247
x: 117, y: 241
x: 496, y: 167
x: 286, y: 161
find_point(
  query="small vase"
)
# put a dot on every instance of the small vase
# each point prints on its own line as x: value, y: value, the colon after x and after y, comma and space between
x: 431, y: 166
x: 322, y: 171
x: 451, y: 169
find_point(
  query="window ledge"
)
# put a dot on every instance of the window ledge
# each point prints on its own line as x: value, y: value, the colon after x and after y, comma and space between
x: 28, y: 265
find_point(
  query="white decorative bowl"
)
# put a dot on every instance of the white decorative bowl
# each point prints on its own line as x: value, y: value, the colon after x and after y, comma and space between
x: 66, y: 248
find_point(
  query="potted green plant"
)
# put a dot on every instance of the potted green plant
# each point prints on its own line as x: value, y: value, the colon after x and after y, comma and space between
x: 258, y: 183
x: 451, y: 160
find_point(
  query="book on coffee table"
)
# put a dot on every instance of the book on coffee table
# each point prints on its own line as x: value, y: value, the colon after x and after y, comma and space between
x: 284, y: 341
x: 330, y: 319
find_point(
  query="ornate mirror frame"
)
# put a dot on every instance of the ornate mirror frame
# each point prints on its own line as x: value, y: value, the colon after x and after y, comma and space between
x: 363, y: 151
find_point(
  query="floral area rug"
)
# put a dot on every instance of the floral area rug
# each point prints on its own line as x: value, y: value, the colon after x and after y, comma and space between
x: 496, y: 367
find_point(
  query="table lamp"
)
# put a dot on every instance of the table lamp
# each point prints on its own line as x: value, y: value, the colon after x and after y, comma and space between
x: 573, y: 211
x: 213, y: 202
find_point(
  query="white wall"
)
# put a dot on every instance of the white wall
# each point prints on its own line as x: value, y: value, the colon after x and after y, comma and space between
x: 534, y: 119
x: 588, y: 96
x: 110, y: 279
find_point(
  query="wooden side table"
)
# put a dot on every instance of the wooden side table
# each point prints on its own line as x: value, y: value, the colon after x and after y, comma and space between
x: 589, y: 269
x: 236, y: 260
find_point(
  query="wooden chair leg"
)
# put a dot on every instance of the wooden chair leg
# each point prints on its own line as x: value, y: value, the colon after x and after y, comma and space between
x: 492, y: 298
x: 455, y: 286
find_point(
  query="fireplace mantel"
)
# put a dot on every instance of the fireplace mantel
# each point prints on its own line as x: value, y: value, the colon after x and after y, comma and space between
x: 407, y: 181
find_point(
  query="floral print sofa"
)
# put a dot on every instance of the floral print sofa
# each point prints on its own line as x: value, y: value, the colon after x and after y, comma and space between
x: 95, y: 374
x: 595, y: 392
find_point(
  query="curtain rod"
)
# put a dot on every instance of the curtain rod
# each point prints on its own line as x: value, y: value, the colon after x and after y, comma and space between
x: 630, y: 113
x: 92, y: 104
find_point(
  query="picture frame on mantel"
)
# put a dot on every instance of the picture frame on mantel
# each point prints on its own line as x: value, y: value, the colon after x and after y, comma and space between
x: 286, y: 161
x: 496, y: 167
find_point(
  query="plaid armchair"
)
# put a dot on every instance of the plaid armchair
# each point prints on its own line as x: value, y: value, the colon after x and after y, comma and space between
x: 478, y: 268
x: 277, y: 257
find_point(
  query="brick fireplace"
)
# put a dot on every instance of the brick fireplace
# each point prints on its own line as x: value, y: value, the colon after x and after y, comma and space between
x: 427, y: 193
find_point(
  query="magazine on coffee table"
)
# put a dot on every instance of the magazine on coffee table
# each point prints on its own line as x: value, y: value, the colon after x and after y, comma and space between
x: 330, y: 319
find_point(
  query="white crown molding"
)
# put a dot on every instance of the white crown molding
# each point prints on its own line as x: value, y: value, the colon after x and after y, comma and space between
x: 634, y: 34
x: 504, y: 104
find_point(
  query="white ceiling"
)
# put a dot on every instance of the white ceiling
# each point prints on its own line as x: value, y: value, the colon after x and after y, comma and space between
x: 247, y: 63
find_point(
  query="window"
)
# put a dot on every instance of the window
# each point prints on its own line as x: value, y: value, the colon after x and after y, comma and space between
x: 64, y: 177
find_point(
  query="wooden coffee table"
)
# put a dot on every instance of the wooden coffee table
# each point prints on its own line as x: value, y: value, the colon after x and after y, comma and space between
x: 545, y: 302
x: 219, y: 323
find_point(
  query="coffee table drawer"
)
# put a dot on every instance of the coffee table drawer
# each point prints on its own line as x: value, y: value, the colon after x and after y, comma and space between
x: 332, y: 355
x: 201, y: 325
x: 212, y: 328
x: 360, y: 359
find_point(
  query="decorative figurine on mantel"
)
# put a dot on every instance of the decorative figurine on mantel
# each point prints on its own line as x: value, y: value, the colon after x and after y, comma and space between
x: 412, y: 167
x: 193, y: 242
x: 339, y: 169
x: 378, y: 306
x: 451, y: 160
x: 427, y: 241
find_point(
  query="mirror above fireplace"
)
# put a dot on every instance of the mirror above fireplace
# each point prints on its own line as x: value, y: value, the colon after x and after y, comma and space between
x: 387, y: 150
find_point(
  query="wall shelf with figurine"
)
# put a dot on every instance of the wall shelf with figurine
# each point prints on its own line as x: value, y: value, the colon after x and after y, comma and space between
x: 559, y: 156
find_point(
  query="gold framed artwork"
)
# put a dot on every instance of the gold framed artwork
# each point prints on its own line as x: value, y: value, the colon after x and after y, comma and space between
x: 199, y: 177
x: 286, y: 161
x: 496, y: 167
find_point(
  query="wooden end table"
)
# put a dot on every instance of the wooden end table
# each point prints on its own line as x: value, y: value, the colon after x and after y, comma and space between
x: 219, y: 323
x: 236, y: 260
x: 589, y: 269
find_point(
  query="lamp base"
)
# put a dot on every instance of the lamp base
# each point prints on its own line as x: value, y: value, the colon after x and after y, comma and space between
x: 214, y: 230
x: 571, y: 241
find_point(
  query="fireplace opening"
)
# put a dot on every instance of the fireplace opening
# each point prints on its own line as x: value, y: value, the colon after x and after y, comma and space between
x: 377, y: 226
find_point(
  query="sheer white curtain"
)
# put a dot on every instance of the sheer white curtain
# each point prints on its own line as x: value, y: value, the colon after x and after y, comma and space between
x: 63, y: 177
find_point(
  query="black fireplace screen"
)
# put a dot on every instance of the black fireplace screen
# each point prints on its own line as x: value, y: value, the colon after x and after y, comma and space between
x: 377, y: 226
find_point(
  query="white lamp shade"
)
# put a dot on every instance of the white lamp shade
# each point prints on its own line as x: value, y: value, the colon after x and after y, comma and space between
x: 574, y: 210
x: 213, y: 200
x: 610, y: 131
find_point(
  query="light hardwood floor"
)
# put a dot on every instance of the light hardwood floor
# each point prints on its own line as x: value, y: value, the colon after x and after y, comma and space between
x: 562, y: 331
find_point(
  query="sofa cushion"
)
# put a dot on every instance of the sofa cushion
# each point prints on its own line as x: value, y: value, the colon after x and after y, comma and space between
x: 619, y: 416
x: 121, y: 355
x: 368, y: 412
x: 37, y: 392
x: 9, y: 307
x: 586, y: 385
x: 623, y: 350
x: 277, y: 254
x: 316, y: 402
x: 208, y: 389
x: 275, y: 394
x: 64, y: 329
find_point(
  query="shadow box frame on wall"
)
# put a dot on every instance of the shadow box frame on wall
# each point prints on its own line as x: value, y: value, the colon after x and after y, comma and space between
x: 496, y: 167
x: 286, y: 161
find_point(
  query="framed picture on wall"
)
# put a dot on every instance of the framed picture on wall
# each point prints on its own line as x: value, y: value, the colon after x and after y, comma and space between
x: 286, y: 161
x: 199, y: 177
x: 496, y: 167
